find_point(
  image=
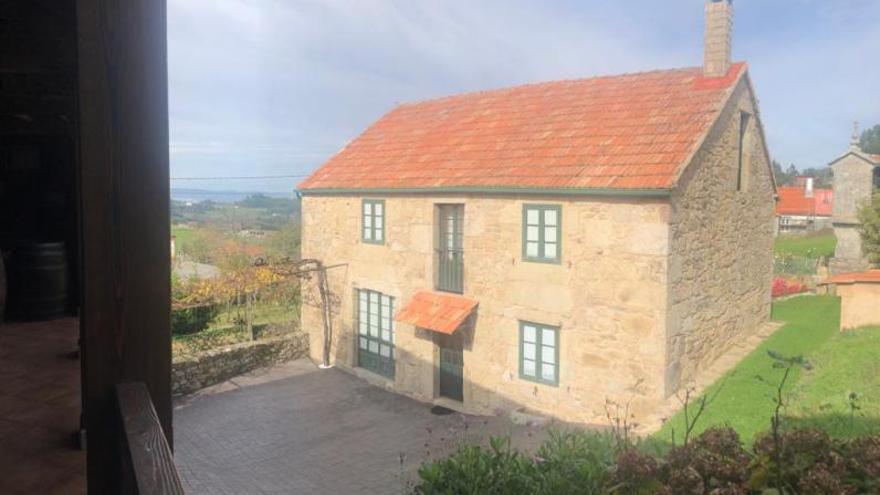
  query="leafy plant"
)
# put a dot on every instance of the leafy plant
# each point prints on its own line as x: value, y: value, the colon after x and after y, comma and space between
x: 193, y: 319
x: 575, y: 463
x: 475, y: 470
x: 869, y: 228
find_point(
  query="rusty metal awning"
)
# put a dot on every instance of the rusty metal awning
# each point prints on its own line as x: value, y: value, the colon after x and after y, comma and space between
x: 437, y: 312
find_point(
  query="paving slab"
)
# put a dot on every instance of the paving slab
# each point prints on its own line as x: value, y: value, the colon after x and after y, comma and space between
x: 295, y: 428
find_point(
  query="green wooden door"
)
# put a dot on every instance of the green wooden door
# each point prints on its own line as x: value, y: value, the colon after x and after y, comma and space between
x: 451, y: 369
x: 376, y: 332
x: 450, y: 262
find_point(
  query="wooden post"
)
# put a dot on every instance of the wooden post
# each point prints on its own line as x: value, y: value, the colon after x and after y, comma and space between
x: 124, y: 214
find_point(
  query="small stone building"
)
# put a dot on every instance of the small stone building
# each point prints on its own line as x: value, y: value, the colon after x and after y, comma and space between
x: 551, y: 245
x: 859, y: 294
x: 856, y: 177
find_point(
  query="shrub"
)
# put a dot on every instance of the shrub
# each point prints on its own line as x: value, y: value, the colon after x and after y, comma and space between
x: 784, y: 287
x: 635, y: 473
x: 805, y: 459
x: 863, y: 463
x: 475, y: 470
x: 193, y: 319
x: 714, y: 462
x: 575, y: 463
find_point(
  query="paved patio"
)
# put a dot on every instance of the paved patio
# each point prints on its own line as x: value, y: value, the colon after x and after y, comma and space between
x: 297, y: 429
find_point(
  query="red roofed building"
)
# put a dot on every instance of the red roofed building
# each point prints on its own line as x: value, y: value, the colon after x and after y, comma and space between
x: 803, y: 208
x: 549, y: 245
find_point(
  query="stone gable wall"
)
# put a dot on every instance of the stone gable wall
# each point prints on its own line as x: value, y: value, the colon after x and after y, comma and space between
x: 853, y: 182
x: 721, y: 265
x: 608, y: 296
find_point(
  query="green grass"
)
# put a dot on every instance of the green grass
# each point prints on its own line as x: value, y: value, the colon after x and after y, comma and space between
x: 842, y: 364
x: 812, y: 246
x: 846, y: 364
x: 184, y: 236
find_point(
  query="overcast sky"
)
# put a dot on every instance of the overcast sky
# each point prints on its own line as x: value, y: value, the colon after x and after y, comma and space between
x: 276, y: 87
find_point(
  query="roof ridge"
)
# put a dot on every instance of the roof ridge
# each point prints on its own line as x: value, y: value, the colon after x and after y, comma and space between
x: 553, y: 81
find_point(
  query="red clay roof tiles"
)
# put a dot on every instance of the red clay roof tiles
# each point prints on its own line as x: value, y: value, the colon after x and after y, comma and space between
x: 435, y: 311
x: 633, y: 131
x: 793, y: 201
x: 868, y: 276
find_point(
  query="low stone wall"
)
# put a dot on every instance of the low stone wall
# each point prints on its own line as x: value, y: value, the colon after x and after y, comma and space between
x: 191, y: 373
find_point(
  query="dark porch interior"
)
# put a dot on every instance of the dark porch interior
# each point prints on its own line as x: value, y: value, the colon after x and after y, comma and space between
x: 84, y: 234
x: 40, y: 408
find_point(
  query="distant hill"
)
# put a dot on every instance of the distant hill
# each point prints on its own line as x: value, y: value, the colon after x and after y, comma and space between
x: 235, y: 211
x: 197, y: 195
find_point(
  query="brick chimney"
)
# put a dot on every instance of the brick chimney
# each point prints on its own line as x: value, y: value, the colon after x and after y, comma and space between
x: 716, y: 44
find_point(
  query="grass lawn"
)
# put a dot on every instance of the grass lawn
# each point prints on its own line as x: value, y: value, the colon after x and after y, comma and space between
x: 843, y: 363
x: 813, y: 246
x: 184, y: 236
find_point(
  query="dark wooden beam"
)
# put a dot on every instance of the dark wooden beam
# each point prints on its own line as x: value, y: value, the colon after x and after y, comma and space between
x: 124, y: 205
x: 145, y: 452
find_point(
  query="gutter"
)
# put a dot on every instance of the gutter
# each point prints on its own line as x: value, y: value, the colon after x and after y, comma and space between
x: 529, y: 191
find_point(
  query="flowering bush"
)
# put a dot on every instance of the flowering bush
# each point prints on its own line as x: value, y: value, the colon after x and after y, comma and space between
x: 784, y: 287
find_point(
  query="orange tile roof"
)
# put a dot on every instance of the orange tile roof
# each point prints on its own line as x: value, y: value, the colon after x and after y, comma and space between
x: 793, y: 201
x: 435, y: 311
x: 868, y: 276
x: 632, y: 131
x: 876, y: 158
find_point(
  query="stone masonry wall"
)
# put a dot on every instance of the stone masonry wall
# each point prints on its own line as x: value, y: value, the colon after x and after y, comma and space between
x: 722, y: 243
x: 191, y: 373
x: 853, y: 179
x: 608, y: 296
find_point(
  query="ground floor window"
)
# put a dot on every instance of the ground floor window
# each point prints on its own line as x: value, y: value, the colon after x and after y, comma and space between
x: 375, y: 332
x: 539, y: 353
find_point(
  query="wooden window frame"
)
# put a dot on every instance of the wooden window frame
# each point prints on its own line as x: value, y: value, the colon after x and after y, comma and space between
x: 378, y: 340
x: 369, y: 224
x: 539, y: 353
x: 542, y: 242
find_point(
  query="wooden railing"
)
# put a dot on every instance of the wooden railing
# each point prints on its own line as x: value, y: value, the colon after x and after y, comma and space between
x: 147, y: 464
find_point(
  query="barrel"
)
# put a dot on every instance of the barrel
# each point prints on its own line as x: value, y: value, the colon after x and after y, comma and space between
x: 38, y: 281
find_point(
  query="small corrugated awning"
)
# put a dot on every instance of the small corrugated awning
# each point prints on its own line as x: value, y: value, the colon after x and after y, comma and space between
x: 438, y: 312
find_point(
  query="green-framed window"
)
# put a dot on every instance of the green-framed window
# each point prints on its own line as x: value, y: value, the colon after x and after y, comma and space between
x: 539, y: 353
x: 542, y: 233
x: 375, y: 325
x: 373, y: 221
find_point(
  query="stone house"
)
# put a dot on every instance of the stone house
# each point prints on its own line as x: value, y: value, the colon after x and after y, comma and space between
x: 856, y: 177
x: 551, y: 245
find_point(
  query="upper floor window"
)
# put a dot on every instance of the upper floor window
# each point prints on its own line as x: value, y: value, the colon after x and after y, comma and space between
x: 742, y: 167
x: 539, y: 353
x: 542, y: 233
x: 373, y: 224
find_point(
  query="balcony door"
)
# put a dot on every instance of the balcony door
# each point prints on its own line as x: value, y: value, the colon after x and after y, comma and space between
x: 450, y: 255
